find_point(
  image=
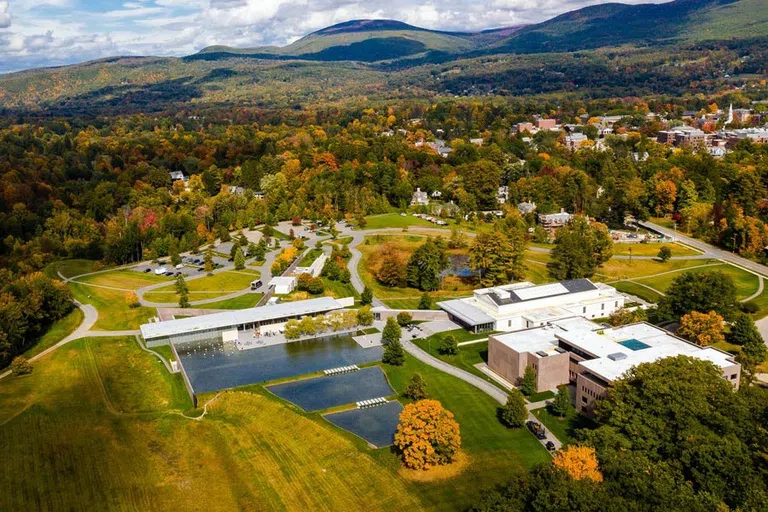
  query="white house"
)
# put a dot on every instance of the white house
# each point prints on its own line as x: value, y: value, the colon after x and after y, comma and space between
x: 283, y: 285
x: 420, y: 198
x: 523, y: 305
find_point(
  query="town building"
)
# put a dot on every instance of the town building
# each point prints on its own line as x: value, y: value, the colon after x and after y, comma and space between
x: 683, y: 136
x: 419, y: 198
x: 575, y: 140
x: 525, y: 127
x: 283, y: 285
x: 526, y: 207
x: 523, y: 305
x: 555, y: 220
x: 477, y: 142
x: 546, y: 124
x: 216, y: 326
x: 591, y: 356
x: 502, y: 196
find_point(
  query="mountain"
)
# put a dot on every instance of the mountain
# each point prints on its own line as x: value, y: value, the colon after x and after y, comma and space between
x: 616, y: 24
x: 368, y: 41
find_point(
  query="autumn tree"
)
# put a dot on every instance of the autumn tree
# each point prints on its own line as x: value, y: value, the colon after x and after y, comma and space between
x: 704, y: 329
x: 579, y: 462
x: 365, y: 316
x: 665, y: 194
x: 427, y: 435
x: 580, y: 249
x: 208, y: 260
x: 404, y: 318
x: 392, y: 271
x: 514, y: 413
x: 416, y: 388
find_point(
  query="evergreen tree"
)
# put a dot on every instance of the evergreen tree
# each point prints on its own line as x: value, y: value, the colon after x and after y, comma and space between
x: 173, y: 252
x: 528, y: 382
x: 743, y: 330
x: 580, y: 249
x: 514, y: 413
x: 425, y: 302
x: 261, y: 250
x: 183, y: 291
x: 497, y: 258
x: 394, y: 354
x: 366, y: 298
x: 208, y: 260
x: 417, y: 388
x: 449, y: 346
x: 239, y: 259
x: 392, y: 331
x: 561, y: 405
x: 424, y: 266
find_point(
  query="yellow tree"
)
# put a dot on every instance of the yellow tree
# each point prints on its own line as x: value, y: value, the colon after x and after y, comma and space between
x: 579, y: 462
x: 702, y: 328
x: 665, y: 193
x: 427, y: 435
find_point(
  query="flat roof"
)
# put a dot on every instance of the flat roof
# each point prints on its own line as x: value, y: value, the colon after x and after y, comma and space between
x: 237, y: 317
x: 513, y: 294
x: 530, y: 340
x: 466, y: 312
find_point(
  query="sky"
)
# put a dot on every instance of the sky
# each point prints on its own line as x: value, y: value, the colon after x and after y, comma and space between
x: 36, y: 33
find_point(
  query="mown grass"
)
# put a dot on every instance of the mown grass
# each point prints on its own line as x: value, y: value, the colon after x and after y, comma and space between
x: 637, y: 290
x: 72, y: 268
x: 394, y: 220
x: 114, y: 313
x: 57, y: 332
x: 124, y: 279
x: 208, y: 287
x: 652, y: 249
x: 98, y: 426
x: 746, y: 283
x: 249, y: 300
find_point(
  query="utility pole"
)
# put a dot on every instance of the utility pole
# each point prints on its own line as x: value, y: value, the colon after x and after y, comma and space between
x: 674, y: 238
x: 733, y: 246
x: 630, y: 255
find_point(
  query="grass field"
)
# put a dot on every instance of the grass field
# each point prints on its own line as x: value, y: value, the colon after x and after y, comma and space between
x: 637, y: 290
x: 746, y: 283
x: 114, y: 313
x: 57, y: 332
x: 72, y: 268
x: 394, y: 220
x: 652, y: 249
x: 249, y: 300
x: 124, y: 279
x: 98, y: 425
x: 208, y: 287
x: 310, y: 257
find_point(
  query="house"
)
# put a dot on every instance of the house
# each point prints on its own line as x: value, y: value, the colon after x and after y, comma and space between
x: 741, y: 115
x: 258, y: 195
x: 526, y: 207
x: 388, y: 133
x: 436, y: 194
x: 525, y: 127
x: 476, y: 142
x: 178, y: 176
x: 578, y: 351
x: 640, y: 157
x: 555, y: 220
x: 575, y: 140
x: 546, y: 124
x: 420, y: 198
x: 503, y: 194
x: 444, y: 151
x: 523, y: 305
x: 237, y: 191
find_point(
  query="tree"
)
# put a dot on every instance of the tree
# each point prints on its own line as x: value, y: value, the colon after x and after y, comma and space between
x: 704, y: 329
x: 416, y: 388
x: 404, y: 318
x: 427, y: 435
x: 239, y: 259
x: 316, y: 286
x: 394, y: 354
x: 132, y: 300
x: 580, y: 462
x: 702, y: 292
x: 561, y: 404
x: 208, y: 260
x: 21, y: 366
x: 497, y: 259
x: 528, y: 382
x: 364, y: 316
x: 424, y: 266
x: 664, y: 254
x: 743, y: 331
x: 753, y: 353
x: 425, y: 302
x: 183, y: 291
x: 626, y: 316
x: 173, y: 251
x: 261, y: 250
x: 449, y: 346
x: 392, y: 271
x: 392, y: 331
x: 580, y: 249
x: 366, y: 298
x: 514, y: 413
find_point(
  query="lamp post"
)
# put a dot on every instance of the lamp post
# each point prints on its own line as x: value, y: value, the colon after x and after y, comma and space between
x: 630, y: 255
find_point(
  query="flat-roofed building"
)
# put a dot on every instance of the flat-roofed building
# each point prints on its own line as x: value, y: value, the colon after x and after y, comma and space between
x: 213, y: 326
x: 524, y: 305
x: 591, y: 356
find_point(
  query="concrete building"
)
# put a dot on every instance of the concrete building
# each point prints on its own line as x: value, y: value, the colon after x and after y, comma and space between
x: 581, y: 352
x: 546, y: 124
x: 315, y: 268
x: 555, y: 220
x: 283, y: 285
x: 219, y: 326
x: 523, y: 305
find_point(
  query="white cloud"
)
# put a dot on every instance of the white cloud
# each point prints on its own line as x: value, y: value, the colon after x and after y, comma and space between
x: 5, y: 16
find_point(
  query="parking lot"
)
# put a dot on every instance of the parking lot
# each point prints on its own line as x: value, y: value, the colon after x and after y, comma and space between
x: 191, y: 266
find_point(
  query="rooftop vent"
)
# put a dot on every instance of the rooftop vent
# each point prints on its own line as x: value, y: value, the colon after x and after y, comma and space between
x: 618, y: 356
x: 559, y: 350
x: 542, y: 353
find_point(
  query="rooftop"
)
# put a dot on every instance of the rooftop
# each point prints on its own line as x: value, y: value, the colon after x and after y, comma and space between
x: 232, y: 318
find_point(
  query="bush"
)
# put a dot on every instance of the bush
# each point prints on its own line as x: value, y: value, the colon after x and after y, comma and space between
x: 316, y: 286
x: 665, y: 253
x: 750, y: 307
x: 425, y: 302
x: 513, y: 413
x: 132, y: 300
x: 21, y: 366
x: 449, y: 346
x: 416, y: 389
x: 364, y: 316
x: 404, y: 318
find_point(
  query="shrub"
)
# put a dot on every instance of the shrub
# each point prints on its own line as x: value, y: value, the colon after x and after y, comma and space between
x: 528, y: 382
x: 665, y: 253
x: 364, y: 316
x: 404, y: 318
x: 21, y: 366
x: 416, y: 389
x: 132, y: 300
x: 750, y: 307
x: 449, y: 346
x: 425, y: 302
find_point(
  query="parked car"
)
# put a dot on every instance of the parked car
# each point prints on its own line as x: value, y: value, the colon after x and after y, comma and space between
x: 160, y: 271
x: 550, y: 446
x: 180, y: 265
x: 147, y: 270
x: 536, y: 429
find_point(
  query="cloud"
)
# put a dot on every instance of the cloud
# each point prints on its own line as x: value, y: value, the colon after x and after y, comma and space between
x: 53, y: 32
x: 5, y: 16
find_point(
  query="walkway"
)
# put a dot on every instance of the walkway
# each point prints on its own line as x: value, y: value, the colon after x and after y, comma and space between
x: 483, y: 385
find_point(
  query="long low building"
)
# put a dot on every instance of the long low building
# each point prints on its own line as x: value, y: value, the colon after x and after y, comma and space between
x: 205, y: 327
x: 524, y: 305
x: 591, y: 356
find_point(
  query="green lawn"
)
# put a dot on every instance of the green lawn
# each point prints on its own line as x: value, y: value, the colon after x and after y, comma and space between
x: 124, y: 279
x: 746, y: 283
x: 57, y: 332
x: 114, y: 313
x: 310, y: 257
x: 208, y: 287
x: 637, y: 290
x: 563, y: 428
x: 98, y: 426
x: 652, y: 249
x: 395, y: 220
x: 72, y: 268
x: 249, y: 300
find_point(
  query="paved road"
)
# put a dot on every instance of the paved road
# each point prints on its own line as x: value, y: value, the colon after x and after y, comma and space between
x: 481, y: 384
x: 709, y: 250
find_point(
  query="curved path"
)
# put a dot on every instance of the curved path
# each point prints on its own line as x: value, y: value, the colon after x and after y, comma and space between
x: 473, y: 380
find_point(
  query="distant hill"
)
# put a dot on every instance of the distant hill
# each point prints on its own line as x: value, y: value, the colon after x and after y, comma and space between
x: 616, y: 24
x: 369, y: 41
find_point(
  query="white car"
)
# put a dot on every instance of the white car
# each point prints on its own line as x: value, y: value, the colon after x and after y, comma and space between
x: 180, y: 265
x: 160, y: 271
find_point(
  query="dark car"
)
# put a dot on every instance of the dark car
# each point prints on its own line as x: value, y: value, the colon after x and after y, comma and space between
x: 536, y: 429
x: 169, y: 274
x: 201, y: 269
x: 550, y: 446
x: 147, y: 270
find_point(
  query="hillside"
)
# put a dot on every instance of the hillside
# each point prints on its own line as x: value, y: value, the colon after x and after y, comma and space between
x: 618, y: 24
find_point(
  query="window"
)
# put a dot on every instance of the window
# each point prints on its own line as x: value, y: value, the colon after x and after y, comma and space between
x: 584, y: 309
x: 616, y: 304
x: 733, y: 377
x: 584, y: 399
x: 509, y: 324
x: 602, y: 307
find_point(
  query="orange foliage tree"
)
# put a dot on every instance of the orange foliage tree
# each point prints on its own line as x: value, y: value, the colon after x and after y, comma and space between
x: 579, y: 462
x: 427, y: 435
x: 702, y: 328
